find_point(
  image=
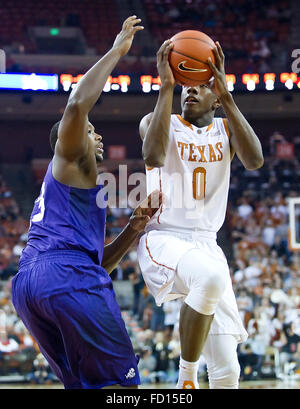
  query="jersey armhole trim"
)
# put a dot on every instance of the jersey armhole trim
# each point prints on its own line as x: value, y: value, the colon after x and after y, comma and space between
x: 225, y: 123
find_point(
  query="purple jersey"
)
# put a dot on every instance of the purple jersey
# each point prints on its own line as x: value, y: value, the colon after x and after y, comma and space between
x: 65, y: 297
x: 66, y: 218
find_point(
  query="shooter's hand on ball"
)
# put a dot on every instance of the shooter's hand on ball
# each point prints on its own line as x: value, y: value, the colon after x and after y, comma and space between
x: 124, y: 39
x: 219, y: 84
x: 163, y: 66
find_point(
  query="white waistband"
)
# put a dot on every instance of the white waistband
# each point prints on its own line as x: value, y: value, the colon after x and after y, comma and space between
x: 193, y: 234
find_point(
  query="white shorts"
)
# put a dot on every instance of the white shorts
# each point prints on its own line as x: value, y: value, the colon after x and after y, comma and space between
x: 159, y: 253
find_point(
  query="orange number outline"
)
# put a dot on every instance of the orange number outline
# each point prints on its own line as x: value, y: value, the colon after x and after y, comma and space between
x: 199, y: 177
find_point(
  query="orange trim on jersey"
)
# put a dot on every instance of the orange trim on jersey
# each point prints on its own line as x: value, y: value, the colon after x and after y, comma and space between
x: 148, y: 168
x: 154, y: 261
x: 160, y: 189
x: 186, y: 123
x: 209, y: 127
x: 225, y: 122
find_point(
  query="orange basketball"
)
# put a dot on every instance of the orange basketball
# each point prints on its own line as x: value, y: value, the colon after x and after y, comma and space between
x: 188, y: 58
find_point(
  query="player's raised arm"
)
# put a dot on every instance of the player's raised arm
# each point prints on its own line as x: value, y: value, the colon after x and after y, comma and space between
x: 73, y: 128
x: 243, y: 139
x: 154, y: 128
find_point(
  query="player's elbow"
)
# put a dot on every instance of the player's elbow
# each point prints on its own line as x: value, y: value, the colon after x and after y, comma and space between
x: 153, y: 161
x: 253, y: 158
x: 152, y: 158
x: 255, y: 163
x: 76, y: 105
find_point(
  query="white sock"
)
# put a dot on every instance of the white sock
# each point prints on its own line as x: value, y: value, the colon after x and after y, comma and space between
x: 188, y: 375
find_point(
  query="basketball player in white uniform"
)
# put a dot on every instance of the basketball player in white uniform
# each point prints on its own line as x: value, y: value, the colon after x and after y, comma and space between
x: 188, y: 159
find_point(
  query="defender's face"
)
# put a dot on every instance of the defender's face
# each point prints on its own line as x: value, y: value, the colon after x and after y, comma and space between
x: 97, y: 142
x: 195, y: 101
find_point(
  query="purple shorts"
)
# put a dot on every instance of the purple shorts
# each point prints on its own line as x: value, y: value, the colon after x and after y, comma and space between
x: 68, y: 305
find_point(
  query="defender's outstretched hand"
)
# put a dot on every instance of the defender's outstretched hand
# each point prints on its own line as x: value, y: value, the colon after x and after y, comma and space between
x: 146, y: 209
x: 219, y: 84
x: 124, y: 39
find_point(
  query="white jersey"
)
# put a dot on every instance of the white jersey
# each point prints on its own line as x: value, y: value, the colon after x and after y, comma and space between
x: 196, y: 169
x: 194, y: 179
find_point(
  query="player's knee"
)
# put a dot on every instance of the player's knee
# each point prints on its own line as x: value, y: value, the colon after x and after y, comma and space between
x: 206, y: 292
x: 226, y: 377
x: 211, y: 284
x: 209, y: 276
x: 205, y: 278
x: 214, y: 284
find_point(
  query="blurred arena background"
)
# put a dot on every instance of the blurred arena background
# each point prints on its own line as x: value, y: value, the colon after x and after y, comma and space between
x: 47, y: 46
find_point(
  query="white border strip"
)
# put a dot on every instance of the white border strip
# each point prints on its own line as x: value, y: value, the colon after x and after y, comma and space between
x: 292, y: 221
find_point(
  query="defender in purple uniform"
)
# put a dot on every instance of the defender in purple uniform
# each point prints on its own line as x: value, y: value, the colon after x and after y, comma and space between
x: 63, y: 292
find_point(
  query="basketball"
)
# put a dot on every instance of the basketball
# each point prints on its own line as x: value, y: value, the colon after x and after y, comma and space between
x: 188, y: 58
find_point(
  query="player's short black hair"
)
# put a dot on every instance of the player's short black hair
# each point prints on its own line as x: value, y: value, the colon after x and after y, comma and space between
x: 54, y: 135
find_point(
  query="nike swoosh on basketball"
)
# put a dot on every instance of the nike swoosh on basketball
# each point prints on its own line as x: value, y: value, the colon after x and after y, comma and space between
x: 183, y: 67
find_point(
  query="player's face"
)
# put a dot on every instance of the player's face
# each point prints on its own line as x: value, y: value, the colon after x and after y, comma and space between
x: 97, y: 141
x: 197, y: 100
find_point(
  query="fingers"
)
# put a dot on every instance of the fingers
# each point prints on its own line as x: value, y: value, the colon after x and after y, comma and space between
x: 154, y: 201
x: 138, y: 223
x: 163, y: 52
x: 219, y: 56
x: 220, y: 51
x: 137, y: 28
x: 142, y: 219
x: 150, y: 205
x: 212, y: 66
x: 163, y: 46
x: 145, y: 210
x: 130, y: 23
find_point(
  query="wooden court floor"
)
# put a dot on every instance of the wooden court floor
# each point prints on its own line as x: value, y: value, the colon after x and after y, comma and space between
x: 261, y: 384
